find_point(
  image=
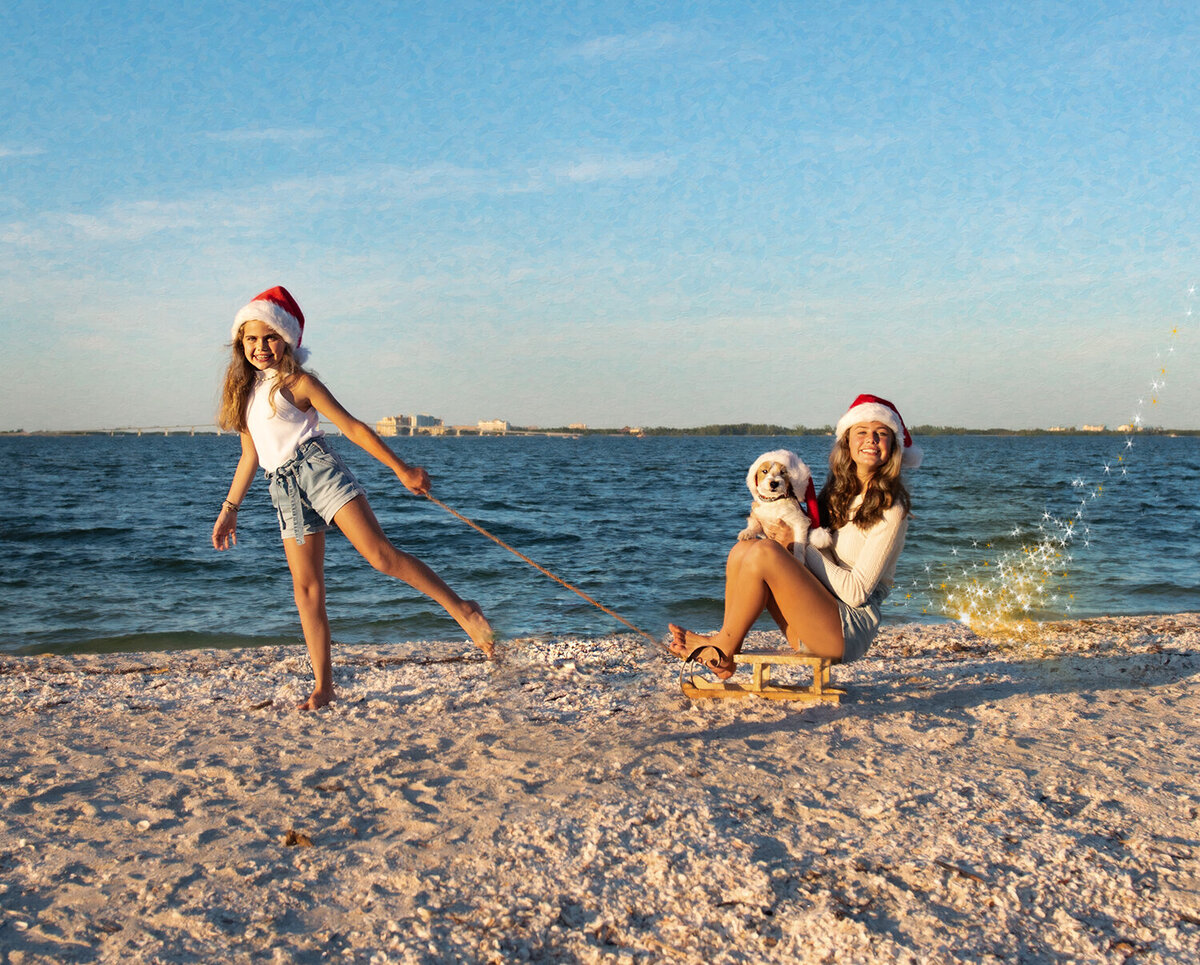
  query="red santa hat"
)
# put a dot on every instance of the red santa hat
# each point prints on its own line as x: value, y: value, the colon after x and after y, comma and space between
x: 871, y: 408
x: 277, y: 308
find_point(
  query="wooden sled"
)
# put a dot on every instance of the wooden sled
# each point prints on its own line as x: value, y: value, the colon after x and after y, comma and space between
x: 698, y: 687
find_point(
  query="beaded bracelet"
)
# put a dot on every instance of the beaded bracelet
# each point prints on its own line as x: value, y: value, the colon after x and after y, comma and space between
x: 230, y: 505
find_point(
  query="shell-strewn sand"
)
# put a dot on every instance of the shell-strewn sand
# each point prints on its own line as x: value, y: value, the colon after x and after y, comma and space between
x: 971, y: 800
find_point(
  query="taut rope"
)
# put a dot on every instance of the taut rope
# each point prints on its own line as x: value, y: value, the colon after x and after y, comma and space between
x: 538, y: 566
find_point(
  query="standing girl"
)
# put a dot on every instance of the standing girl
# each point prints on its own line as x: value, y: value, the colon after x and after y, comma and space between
x: 274, y: 403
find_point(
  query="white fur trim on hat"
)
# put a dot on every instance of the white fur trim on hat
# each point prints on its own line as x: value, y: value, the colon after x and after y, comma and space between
x: 269, y: 308
x: 797, y: 472
x: 871, y: 412
x: 270, y: 314
x: 877, y: 410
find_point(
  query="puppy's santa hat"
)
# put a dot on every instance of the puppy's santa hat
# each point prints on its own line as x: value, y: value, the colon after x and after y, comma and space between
x: 278, y: 309
x: 871, y: 408
x: 802, y: 488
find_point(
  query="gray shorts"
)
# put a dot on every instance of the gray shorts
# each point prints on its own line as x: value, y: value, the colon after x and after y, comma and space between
x: 309, y: 489
x: 859, y: 625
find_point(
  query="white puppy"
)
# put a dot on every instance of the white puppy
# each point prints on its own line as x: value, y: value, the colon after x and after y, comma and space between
x: 782, y: 487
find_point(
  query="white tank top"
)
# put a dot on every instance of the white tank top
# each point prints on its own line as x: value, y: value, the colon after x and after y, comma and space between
x: 277, y: 434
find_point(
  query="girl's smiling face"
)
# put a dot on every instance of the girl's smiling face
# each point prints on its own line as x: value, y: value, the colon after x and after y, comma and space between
x: 871, y: 446
x: 264, y: 347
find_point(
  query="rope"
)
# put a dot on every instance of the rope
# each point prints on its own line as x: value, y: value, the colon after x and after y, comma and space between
x: 538, y: 566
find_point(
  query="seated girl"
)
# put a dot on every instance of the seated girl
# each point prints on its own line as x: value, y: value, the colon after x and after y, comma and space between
x: 827, y: 604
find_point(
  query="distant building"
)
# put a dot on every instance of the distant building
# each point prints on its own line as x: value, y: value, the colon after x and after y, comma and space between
x: 405, y: 425
x: 1058, y: 429
x: 498, y: 426
x: 1091, y: 428
x: 578, y: 426
x: 1127, y: 428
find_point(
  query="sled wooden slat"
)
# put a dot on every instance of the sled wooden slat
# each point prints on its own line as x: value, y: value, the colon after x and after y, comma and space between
x: 698, y: 687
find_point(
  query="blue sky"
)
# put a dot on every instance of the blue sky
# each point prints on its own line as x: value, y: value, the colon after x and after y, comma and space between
x: 651, y: 213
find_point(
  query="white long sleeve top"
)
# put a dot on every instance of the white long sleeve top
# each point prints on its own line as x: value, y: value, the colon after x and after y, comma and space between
x: 860, y: 560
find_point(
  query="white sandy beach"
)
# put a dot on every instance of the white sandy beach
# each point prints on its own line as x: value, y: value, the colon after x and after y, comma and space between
x: 970, y: 800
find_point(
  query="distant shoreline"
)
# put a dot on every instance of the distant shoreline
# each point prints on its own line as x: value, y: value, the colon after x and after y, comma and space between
x: 733, y: 430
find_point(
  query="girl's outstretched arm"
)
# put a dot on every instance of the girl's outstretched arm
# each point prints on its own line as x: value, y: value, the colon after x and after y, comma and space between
x: 309, y: 390
x: 224, y: 534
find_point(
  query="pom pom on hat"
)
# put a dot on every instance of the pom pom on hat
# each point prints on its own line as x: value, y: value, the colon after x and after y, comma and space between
x: 871, y: 408
x: 278, y: 309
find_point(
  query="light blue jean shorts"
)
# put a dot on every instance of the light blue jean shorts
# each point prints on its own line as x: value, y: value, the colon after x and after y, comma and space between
x: 309, y: 489
x: 859, y: 625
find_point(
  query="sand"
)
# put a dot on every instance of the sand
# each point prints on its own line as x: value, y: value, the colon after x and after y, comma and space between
x: 970, y: 800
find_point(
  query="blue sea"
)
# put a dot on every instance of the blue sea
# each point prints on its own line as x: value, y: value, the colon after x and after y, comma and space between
x: 106, y: 544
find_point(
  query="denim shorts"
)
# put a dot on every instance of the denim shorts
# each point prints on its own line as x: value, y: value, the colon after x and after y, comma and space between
x: 309, y: 489
x: 859, y: 625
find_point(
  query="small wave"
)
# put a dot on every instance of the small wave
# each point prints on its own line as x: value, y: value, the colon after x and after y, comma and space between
x: 175, y: 564
x: 1171, y: 590
x: 26, y: 535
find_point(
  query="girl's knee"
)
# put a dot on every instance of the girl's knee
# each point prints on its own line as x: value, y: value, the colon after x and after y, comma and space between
x: 748, y: 549
x: 384, y: 557
x: 762, y: 553
x: 740, y: 549
x: 308, y: 593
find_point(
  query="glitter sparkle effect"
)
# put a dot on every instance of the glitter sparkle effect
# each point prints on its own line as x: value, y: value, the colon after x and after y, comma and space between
x: 999, y: 592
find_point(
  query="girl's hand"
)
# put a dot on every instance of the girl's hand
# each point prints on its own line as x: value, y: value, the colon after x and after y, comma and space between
x: 780, y: 532
x: 415, y: 479
x: 224, y: 534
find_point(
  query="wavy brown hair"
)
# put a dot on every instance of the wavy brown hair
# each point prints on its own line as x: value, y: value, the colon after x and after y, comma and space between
x: 239, y: 380
x: 883, y: 489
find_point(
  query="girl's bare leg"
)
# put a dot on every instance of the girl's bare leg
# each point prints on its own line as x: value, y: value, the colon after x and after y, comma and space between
x: 762, y: 575
x: 357, y: 520
x: 307, y: 563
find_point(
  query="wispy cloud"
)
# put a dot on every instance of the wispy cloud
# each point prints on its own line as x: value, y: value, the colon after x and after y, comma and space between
x: 852, y: 141
x: 284, y: 135
x: 616, y: 168
x: 7, y: 151
x: 131, y: 221
x: 256, y: 207
x: 400, y: 183
x: 621, y: 46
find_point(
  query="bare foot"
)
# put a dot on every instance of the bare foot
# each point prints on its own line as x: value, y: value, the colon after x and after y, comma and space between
x: 317, y: 699
x: 478, y: 628
x: 684, y: 642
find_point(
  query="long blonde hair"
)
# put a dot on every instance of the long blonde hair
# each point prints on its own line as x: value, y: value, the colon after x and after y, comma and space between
x: 883, y: 489
x: 239, y: 381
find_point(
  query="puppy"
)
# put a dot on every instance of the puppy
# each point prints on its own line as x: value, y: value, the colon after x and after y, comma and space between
x: 782, y: 487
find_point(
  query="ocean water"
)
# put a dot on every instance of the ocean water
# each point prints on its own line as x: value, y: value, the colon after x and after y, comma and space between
x: 106, y: 542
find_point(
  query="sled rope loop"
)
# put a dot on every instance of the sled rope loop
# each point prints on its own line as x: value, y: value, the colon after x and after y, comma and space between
x: 540, y: 568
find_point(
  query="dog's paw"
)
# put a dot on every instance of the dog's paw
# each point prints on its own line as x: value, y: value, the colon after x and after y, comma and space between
x: 748, y: 534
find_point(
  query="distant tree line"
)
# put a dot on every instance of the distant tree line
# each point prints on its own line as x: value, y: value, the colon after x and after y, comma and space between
x: 740, y: 429
x: 725, y: 429
x: 958, y: 431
